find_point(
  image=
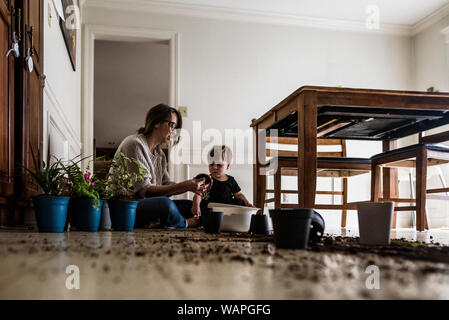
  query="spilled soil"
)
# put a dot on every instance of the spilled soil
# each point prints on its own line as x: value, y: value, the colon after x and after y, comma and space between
x: 334, y: 267
x: 171, y: 242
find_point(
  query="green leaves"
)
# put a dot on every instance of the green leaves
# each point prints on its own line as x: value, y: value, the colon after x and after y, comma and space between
x: 48, y: 177
x: 81, y: 184
x: 67, y: 179
x: 124, y: 174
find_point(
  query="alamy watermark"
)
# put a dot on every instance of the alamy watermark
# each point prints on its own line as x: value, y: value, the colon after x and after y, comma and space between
x: 372, y: 21
x: 72, y: 282
x: 240, y: 141
x: 71, y: 15
x: 373, y: 280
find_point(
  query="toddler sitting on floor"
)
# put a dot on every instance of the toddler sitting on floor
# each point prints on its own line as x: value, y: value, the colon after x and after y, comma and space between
x: 224, y: 187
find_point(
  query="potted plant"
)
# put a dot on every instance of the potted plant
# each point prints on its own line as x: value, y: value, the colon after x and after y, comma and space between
x: 50, y: 207
x: 121, y: 181
x: 85, y: 204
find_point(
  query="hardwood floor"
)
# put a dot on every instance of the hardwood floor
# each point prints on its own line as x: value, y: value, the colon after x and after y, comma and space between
x: 180, y: 264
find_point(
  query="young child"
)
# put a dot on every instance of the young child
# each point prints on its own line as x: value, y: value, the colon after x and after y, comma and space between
x: 224, y: 187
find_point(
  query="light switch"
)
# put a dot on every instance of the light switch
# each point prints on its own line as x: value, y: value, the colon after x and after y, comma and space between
x: 183, y: 111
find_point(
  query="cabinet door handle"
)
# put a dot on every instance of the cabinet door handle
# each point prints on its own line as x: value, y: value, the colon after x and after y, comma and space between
x: 15, y: 32
x: 31, y: 35
x: 29, y: 64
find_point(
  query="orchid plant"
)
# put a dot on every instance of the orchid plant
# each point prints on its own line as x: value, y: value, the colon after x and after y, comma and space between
x: 81, y: 184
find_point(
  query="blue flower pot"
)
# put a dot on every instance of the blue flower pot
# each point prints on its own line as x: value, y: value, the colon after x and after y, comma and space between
x: 84, y: 216
x: 123, y: 214
x: 51, y: 212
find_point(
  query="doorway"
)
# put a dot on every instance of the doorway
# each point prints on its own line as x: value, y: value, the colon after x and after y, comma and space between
x: 107, y: 35
x: 129, y: 78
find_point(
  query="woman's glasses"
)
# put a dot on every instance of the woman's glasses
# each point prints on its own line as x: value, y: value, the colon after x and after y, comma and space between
x: 172, y: 124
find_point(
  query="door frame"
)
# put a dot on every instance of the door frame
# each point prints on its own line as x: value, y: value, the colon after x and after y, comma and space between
x: 92, y: 32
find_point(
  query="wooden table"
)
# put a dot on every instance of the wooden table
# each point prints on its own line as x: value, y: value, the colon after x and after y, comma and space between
x: 344, y: 113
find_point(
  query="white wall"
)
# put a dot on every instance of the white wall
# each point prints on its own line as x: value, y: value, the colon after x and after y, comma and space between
x: 431, y: 69
x: 234, y: 71
x: 431, y: 58
x: 62, y: 92
x: 129, y: 79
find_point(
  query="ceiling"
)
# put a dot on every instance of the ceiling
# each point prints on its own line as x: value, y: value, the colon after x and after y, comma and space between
x: 405, y: 12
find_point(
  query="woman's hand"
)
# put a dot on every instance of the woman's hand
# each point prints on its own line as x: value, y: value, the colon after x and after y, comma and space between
x: 195, y: 185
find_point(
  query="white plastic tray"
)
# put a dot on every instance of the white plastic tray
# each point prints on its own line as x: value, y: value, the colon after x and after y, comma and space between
x: 235, y: 218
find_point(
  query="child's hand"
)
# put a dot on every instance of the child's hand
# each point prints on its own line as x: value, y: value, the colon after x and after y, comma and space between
x: 250, y: 205
x: 196, y: 211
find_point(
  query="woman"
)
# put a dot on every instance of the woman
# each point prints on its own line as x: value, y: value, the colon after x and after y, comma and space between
x: 156, y: 209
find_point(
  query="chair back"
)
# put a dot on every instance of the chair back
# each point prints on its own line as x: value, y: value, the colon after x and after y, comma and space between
x: 285, y: 147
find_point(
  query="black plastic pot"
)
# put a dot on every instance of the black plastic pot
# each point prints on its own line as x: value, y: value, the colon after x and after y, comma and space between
x: 259, y: 224
x: 316, y: 227
x: 291, y: 227
x: 212, y: 221
x: 69, y: 217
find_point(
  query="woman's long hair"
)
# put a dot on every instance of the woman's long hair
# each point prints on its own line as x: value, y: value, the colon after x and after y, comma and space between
x: 158, y: 114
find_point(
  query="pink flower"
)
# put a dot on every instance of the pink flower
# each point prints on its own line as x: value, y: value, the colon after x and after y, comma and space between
x: 93, y: 184
x: 87, y: 176
x: 65, y: 181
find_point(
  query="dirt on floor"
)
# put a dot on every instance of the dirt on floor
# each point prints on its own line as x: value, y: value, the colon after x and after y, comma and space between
x: 328, y: 269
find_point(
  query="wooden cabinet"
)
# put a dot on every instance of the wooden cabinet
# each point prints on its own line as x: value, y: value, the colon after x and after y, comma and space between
x: 7, y: 3
x: 6, y: 105
x: 21, y: 104
x: 31, y: 106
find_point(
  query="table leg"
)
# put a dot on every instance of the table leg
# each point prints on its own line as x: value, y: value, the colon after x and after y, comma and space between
x: 421, y: 187
x: 307, y: 149
x: 255, y: 166
x: 259, y: 186
x: 277, y: 189
x: 390, y: 177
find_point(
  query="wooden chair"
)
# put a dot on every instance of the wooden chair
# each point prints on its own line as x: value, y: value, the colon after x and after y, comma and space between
x: 331, y: 164
x: 426, y: 153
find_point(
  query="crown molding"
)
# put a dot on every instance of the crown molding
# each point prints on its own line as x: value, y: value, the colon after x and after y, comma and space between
x: 431, y: 19
x: 209, y: 12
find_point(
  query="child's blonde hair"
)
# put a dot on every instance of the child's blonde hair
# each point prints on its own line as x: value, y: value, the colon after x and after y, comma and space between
x: 220, y: 153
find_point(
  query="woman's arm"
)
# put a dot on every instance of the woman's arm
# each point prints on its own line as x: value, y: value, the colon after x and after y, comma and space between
x: 193, y: 185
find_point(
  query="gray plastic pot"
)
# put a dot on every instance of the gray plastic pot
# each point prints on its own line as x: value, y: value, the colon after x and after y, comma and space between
x: 105, y: 224
x: 375, y: 221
